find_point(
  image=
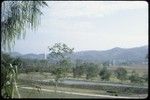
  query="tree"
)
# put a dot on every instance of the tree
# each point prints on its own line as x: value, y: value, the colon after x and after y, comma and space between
x: 121, y: 73
x: 134, y: 78
x: 78, y: 71
x: 79, y: 68
x: 145, y: 77
x: 10, y: 66
x: 105, y: 74
x: 106, y: 63
x: 15, y: 17
x: 91, y: 70
x: 59, y: 53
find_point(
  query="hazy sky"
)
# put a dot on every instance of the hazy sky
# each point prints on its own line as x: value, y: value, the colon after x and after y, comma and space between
x: 89, y: 25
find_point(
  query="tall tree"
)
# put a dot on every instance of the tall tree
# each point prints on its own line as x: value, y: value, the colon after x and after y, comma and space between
x: 135, y: 78
x: 121, y: 73
x: 91, y: 70
x: 59, y: 53
x: 9, y: 72
x: 79, y: 70
x: 16, y: 16
x: 105, y: 73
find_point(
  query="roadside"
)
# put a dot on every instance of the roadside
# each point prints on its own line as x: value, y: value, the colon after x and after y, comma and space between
x: 84, y: 94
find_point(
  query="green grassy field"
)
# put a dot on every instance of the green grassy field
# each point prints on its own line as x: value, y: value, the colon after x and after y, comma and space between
x: 140, y: 69
x: 34, y: 93
x: 42, y: 94
x: 25, y: 93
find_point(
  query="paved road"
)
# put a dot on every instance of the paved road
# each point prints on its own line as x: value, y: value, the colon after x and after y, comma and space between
x: 84, y: 94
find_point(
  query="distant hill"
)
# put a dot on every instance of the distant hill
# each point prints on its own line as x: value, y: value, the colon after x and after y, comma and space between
x: 117, y: 55
x: 33, y: 56
x: 15, y: 54
x: 27, y: 56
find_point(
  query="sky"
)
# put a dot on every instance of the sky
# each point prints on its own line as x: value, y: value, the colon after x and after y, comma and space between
x: 88, y: 25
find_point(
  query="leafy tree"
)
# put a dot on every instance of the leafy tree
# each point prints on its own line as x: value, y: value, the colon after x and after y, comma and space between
x: 106, y: 63
x: 145, y: 77
x: 59, y: 53
x: 134, y: 78
x: 79, y: 68
x: 105, y: 74
x: 9, y: 66
x: 78, y: 71
x: 121, y: 73
x: 91, y: 70
x: 15, y: 17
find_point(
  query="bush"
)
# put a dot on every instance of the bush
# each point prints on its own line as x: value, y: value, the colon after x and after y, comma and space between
x: 134, y: 78
x: 105, y: 74
x: 91, y: 71
x: 121, y: 73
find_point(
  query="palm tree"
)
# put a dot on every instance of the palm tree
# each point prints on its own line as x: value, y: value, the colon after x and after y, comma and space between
x: 16, y: 16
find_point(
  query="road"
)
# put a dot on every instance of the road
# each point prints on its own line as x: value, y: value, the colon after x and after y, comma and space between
x: 84, y: 94
x: 80, y: 82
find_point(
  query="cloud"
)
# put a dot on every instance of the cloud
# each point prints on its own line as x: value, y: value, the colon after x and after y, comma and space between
x: 92, y: 8
x: 83, y: 25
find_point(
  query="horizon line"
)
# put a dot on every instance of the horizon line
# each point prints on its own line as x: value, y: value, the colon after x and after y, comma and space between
x: 79, y: 50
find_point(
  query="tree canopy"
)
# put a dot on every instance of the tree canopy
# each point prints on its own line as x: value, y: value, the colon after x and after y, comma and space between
x: 121, y: 73
x: 16, y: 16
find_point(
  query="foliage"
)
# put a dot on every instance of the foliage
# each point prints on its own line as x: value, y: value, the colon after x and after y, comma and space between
x: 134, y: 78
x: 34, y: 65
x: 61, y: 69
x: 79, y: 69
x: 91, y: 70
x: 58, y: 52
x: 16, y: 16
x: 9, y: 72
x: 106, y: 63
x: 121, y: 73
x: 104, y: 73
x: 145, y: 77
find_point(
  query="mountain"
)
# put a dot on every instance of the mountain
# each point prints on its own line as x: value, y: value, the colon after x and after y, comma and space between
x: 33, y: 56
x: 118, y: 55
x: 27, y: 56
x: 15, y: 54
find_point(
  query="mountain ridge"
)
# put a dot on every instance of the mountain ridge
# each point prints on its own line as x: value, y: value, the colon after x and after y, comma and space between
x: 136, y: 54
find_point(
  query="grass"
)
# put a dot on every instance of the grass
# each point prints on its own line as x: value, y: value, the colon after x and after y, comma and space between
x: 140, y: 69
x: 33, y: 93
x: 76, y: 89
x: 25, y: 93
x: 44, y: 76
x: 72, y: 89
